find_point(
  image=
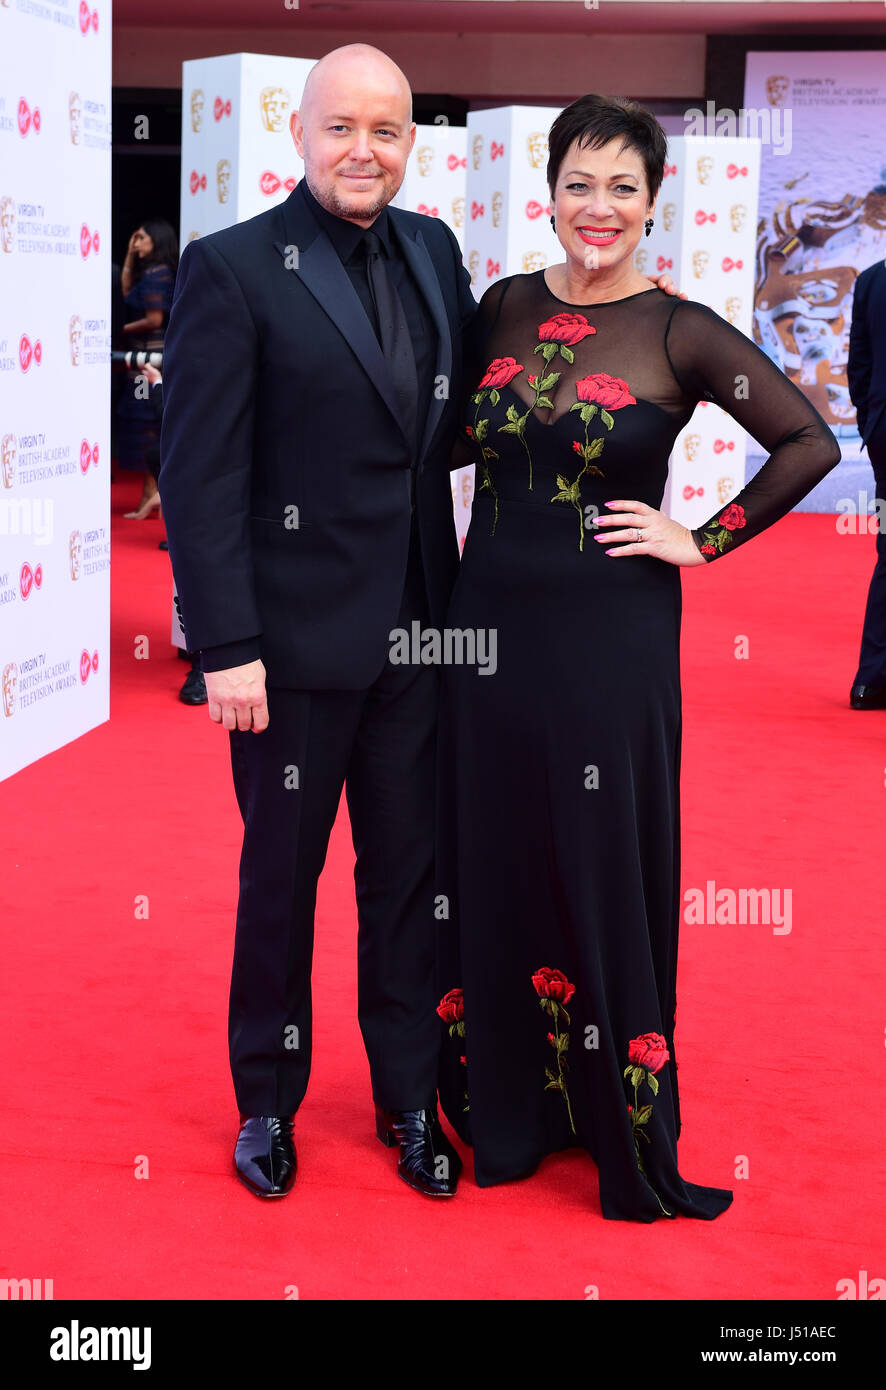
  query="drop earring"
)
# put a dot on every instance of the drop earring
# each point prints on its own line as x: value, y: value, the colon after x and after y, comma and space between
x: 553, y: 223
x: 649, y: 225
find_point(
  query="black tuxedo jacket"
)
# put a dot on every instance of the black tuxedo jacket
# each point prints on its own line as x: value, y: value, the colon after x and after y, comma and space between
x: 286, y: 478
x: 867, y: 351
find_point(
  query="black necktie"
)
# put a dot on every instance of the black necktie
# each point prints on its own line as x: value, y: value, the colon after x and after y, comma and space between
x: 396, y: 343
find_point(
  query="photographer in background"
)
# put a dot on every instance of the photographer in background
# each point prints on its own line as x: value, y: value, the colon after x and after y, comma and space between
x: 193, y: 692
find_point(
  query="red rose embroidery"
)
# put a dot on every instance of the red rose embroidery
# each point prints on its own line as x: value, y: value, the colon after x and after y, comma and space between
x: 609, y: 392
x: 565, y: 328
x: 649, y: 1051
x: 708, y: 550
x: 554, y: 992
x: 500, y: 373
x: 452, y: 1006
x: 733, y: 518
x: 552, y: 984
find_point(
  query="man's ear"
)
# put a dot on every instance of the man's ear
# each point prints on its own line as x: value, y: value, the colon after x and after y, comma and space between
x: 413, y: 130
x: 296, y: 130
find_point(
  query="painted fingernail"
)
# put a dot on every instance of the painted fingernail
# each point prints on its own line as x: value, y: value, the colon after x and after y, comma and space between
x: 608, y: 504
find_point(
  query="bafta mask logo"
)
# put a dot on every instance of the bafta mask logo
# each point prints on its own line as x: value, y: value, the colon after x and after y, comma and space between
x: 197, y: 100
x: 537, y: 149
x: 7, y: 223
x: 704, y: 167
x: 700, y: 263
x: 223, y: 179
x: 668, y: 213
x: 733, y: 308
x: 194, y: 236
x: 7, y: 459
x: 75, y: 117
x: 641, y: 259
x: 473, y: 266
x: 424, y: 158
x: 10, y: 681
x: 497, y: 201
x: 725, y: 489
x: 737, y: 214
x: 458, y: 212
x: 467, y: 489
x: 274, y: 103
x: 691, y: 446
x: 532, y: 261
x: 75, y: 334
x: 75, y: 553
x: 477, y: 151
x: 777, y: 89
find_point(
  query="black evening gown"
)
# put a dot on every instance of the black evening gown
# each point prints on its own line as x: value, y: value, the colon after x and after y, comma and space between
x: 559, y: 748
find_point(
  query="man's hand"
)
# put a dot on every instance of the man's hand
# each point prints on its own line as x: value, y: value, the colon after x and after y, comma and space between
x: 237, y: 697
x: 666, y: 283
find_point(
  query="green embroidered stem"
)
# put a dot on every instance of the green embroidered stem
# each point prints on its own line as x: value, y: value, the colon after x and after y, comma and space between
x: 638, y: 1072
x: 563, y: 1087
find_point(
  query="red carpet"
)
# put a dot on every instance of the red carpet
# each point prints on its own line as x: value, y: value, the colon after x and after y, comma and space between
x: 114, y: 1026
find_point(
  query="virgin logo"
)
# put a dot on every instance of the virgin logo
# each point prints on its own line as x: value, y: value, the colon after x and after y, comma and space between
x: 720, y: 445
x: 88, y: 241
x: 87, y: 455
x: 88, y: 18
x: 534, y: 209
x: 197, y: 181
x: 28, y: 118
x: 689, y: 492
x: 269, y: 183
x: 221, y: 108
x: 27, y: 352
x: 428, y: 212
x: 29, y: 578
x: 702, y: 217
x: 729, y: 264
x: 453, y: 161
x: 87, y: 663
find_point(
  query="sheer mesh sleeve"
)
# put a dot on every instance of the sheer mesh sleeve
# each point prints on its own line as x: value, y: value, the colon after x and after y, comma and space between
x: 715, y: 362
x: 475, y: 359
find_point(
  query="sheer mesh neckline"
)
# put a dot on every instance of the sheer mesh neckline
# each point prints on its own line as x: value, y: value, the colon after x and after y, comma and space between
x: 597, y: 304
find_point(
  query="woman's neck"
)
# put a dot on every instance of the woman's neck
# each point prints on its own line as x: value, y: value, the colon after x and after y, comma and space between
x: 576, y: 285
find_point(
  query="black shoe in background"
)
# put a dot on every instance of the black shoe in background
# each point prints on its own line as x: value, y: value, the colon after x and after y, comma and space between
x: 193, y: 692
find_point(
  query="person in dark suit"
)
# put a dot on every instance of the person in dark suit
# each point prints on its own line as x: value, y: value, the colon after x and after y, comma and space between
x: 313, y: 382
x: 867, y: 388
x: 306, y: 440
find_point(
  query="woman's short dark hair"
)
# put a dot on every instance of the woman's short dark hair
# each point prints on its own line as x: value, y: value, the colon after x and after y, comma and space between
x: 594, y: 120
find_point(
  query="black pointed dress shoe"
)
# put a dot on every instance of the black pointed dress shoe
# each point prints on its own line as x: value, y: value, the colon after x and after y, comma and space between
x: 427, y: 1161
x: 868, y: 697
x: 265, y: 1154
x: 193, y: 692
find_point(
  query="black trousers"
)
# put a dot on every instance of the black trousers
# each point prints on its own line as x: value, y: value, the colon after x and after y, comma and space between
x: 380, y: 745
x: 872, y: 658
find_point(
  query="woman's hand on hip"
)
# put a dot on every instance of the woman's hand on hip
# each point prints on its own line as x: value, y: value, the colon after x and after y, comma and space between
x: 646, y: 531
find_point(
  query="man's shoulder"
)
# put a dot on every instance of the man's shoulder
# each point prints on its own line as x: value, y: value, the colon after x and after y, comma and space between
x: 433, y: 230
x: 232, y: 241
x: 874, y: 275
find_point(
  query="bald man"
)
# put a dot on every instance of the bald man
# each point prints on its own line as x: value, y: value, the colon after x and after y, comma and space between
x: 313, y: 374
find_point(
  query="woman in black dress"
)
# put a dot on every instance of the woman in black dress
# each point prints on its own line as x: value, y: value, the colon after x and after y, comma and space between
x: 147, y: 281
x: 559, y: 853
